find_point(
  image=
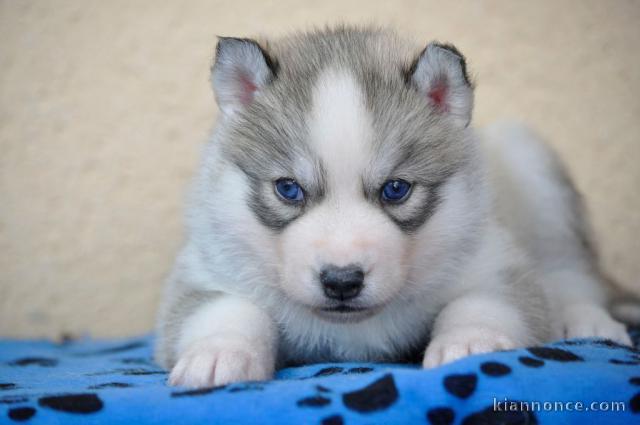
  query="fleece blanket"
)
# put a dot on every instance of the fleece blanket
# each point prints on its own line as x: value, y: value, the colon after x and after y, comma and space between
x: 116, y: 382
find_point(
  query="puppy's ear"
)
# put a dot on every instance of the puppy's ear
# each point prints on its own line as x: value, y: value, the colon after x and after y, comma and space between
x: 240, y: 70
x: 440, y: 74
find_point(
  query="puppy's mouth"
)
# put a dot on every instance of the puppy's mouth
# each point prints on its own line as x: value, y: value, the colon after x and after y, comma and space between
x: 345, y: 313
x: 343, y: 308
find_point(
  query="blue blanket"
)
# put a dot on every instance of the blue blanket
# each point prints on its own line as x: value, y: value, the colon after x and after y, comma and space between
x: 115, y: 381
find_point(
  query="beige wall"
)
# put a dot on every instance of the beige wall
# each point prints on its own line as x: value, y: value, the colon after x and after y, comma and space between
x: 104, y: 105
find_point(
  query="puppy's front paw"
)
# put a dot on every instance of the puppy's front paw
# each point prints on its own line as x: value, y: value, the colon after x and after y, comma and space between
x: 461, y: 342
x: 221, y: 361
x: 585, y: 321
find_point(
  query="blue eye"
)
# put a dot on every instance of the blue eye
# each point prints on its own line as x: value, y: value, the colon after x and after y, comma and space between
x: 395, y: 190
x: 289, y: 189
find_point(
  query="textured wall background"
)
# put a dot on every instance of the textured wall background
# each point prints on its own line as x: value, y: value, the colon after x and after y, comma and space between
x: 104, y: 106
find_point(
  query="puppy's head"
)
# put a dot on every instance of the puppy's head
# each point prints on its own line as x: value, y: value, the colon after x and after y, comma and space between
x: 357, y: 162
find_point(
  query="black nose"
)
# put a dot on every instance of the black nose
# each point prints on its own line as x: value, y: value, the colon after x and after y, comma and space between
x: 342, y: 283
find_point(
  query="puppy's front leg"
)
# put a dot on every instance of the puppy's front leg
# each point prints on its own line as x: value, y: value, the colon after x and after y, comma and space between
x: 477, y: 322
x: 226, y: 340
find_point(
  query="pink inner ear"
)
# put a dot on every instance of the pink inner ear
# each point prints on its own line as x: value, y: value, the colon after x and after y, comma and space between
x: 438, y: 94
x: 247, y: 89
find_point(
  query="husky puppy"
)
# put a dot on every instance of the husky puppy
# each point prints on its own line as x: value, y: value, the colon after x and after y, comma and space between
x: 345, y: 210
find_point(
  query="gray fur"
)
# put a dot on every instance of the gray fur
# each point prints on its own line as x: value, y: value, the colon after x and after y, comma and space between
x: 580, y: 227
x: 413, y: 139
x: 524, y: 293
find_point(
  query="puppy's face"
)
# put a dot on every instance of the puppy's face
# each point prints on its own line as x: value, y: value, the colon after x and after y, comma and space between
x: 355, y: 171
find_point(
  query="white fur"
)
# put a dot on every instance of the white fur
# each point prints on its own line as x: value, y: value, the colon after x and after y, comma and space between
x: 345, y: 229
x: 340, y: 130
x: 535, y: 209
x: 214, y: 350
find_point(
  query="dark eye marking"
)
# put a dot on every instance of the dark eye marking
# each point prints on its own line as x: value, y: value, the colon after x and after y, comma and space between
x: 421, y: 213
x: 278, y: 203
x: 279, y: 208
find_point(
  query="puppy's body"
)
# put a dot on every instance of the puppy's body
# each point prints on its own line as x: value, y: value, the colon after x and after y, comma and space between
x: 488, y: 249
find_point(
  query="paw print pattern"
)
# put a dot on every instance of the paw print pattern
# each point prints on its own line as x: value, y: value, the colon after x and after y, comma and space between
x: 54, y: 383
